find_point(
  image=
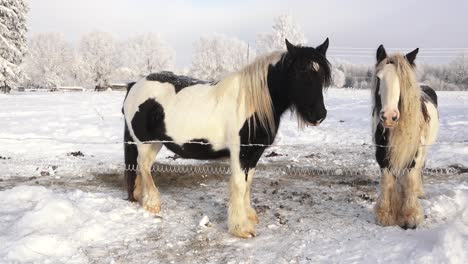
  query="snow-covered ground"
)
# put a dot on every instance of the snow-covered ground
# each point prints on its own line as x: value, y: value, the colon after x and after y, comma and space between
x: 60, y: 207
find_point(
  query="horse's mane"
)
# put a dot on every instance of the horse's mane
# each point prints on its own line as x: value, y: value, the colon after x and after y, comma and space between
x: 405, y: 138
x: 253, y: 90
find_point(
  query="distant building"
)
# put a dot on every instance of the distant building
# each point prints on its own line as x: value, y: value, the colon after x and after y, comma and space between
x: 70, y: 89
x: 118, y: 86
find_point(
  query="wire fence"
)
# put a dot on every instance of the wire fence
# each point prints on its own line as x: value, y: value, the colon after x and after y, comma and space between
x: 77, y: 167
x: 50, y: 165
x: 226, y: 144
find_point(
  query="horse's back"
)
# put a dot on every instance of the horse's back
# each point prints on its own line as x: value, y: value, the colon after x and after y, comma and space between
x: 178, y: 81
x: 430, y: 93
x: 430, y: 113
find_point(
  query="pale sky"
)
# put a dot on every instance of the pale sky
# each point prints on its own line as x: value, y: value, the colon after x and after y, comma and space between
x: 430, y: 25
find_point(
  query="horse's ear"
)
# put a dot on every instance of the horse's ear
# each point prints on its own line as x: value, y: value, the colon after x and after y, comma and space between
x: 412, y: 56
x: 381, y: 54
x: 322, y: 48
x: 290, y: 47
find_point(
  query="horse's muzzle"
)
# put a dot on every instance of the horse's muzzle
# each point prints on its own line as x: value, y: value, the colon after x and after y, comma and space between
x: 389, y: 124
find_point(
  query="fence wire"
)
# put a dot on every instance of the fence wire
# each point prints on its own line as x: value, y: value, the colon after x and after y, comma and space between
x: 64, y: 141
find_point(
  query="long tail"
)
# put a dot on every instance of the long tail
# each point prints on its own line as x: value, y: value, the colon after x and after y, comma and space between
x: 131, y: 155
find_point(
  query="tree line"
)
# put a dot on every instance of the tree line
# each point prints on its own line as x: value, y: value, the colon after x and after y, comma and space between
x: 49, y: 61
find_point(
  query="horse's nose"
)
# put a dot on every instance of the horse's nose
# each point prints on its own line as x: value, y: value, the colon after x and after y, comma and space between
x: 382, y: 116
x: 389, y: 115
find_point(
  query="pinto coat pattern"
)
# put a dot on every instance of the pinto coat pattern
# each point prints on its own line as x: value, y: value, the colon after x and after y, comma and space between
x: 405, y: 124
x: 201, y: 120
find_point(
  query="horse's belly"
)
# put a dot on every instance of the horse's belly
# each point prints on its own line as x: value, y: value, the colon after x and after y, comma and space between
x: 197, y: 149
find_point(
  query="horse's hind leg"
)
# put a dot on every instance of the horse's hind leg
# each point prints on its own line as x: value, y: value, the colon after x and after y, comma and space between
x: 137, y: 190
x: 150, y: 198
x: 131, y: 155
x: 420, y: 184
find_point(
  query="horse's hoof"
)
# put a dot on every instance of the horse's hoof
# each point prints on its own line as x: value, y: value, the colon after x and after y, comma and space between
x: 242, y: 229
x: 411, y: 217
x: 420, y: 194
x: 152, y: 209
x: 411, y: 221
x: 151, y: 203
x: 407, y: 226
x: 244, y: 233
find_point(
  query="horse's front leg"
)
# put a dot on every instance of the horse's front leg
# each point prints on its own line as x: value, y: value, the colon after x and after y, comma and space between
x: 411, y: 213
x: 388, y: 203
x: 249, y: 156
x: 251, y: 213
x: 238, y: 221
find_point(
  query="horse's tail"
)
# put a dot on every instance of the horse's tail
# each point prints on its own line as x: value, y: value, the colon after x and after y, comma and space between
x: 131, y: 155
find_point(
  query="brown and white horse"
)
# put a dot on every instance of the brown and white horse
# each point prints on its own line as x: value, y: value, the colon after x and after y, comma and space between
x: 405, y: 124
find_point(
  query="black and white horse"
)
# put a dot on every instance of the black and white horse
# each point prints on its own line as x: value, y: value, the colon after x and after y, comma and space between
x: 198, y: 120
x: 405, y: 123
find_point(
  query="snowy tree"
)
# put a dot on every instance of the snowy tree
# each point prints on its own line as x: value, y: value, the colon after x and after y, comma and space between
x: 98, y: 54
x: 12, y: 41
x: 284, y: 27
x: 218, y: 55
x: 125, y: 74
x: 452, y: 76
x: 145, y: 54
x: 50, y: 61
x: 459, y: 69
x: 338, y: 77
x: 79, y: 72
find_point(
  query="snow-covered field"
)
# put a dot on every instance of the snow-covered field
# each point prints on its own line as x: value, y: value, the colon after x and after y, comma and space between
x: 57, y: 206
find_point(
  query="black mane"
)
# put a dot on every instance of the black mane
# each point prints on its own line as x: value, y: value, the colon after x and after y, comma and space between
x: 179, y: 81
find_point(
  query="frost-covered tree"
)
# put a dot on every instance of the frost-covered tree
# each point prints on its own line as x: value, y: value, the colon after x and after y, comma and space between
x: 338, y: 77
x: 145, y: 54
x: 98, y: 54
x: 12, y: 41
x: 452, y: 76
x: 357, y: 76
x: 459, y: 69
x: 284, y: 26
x: 217, y: 55
x: 50, y: 61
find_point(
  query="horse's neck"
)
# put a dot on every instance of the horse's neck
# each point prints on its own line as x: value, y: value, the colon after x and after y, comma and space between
x: 278, y: 88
